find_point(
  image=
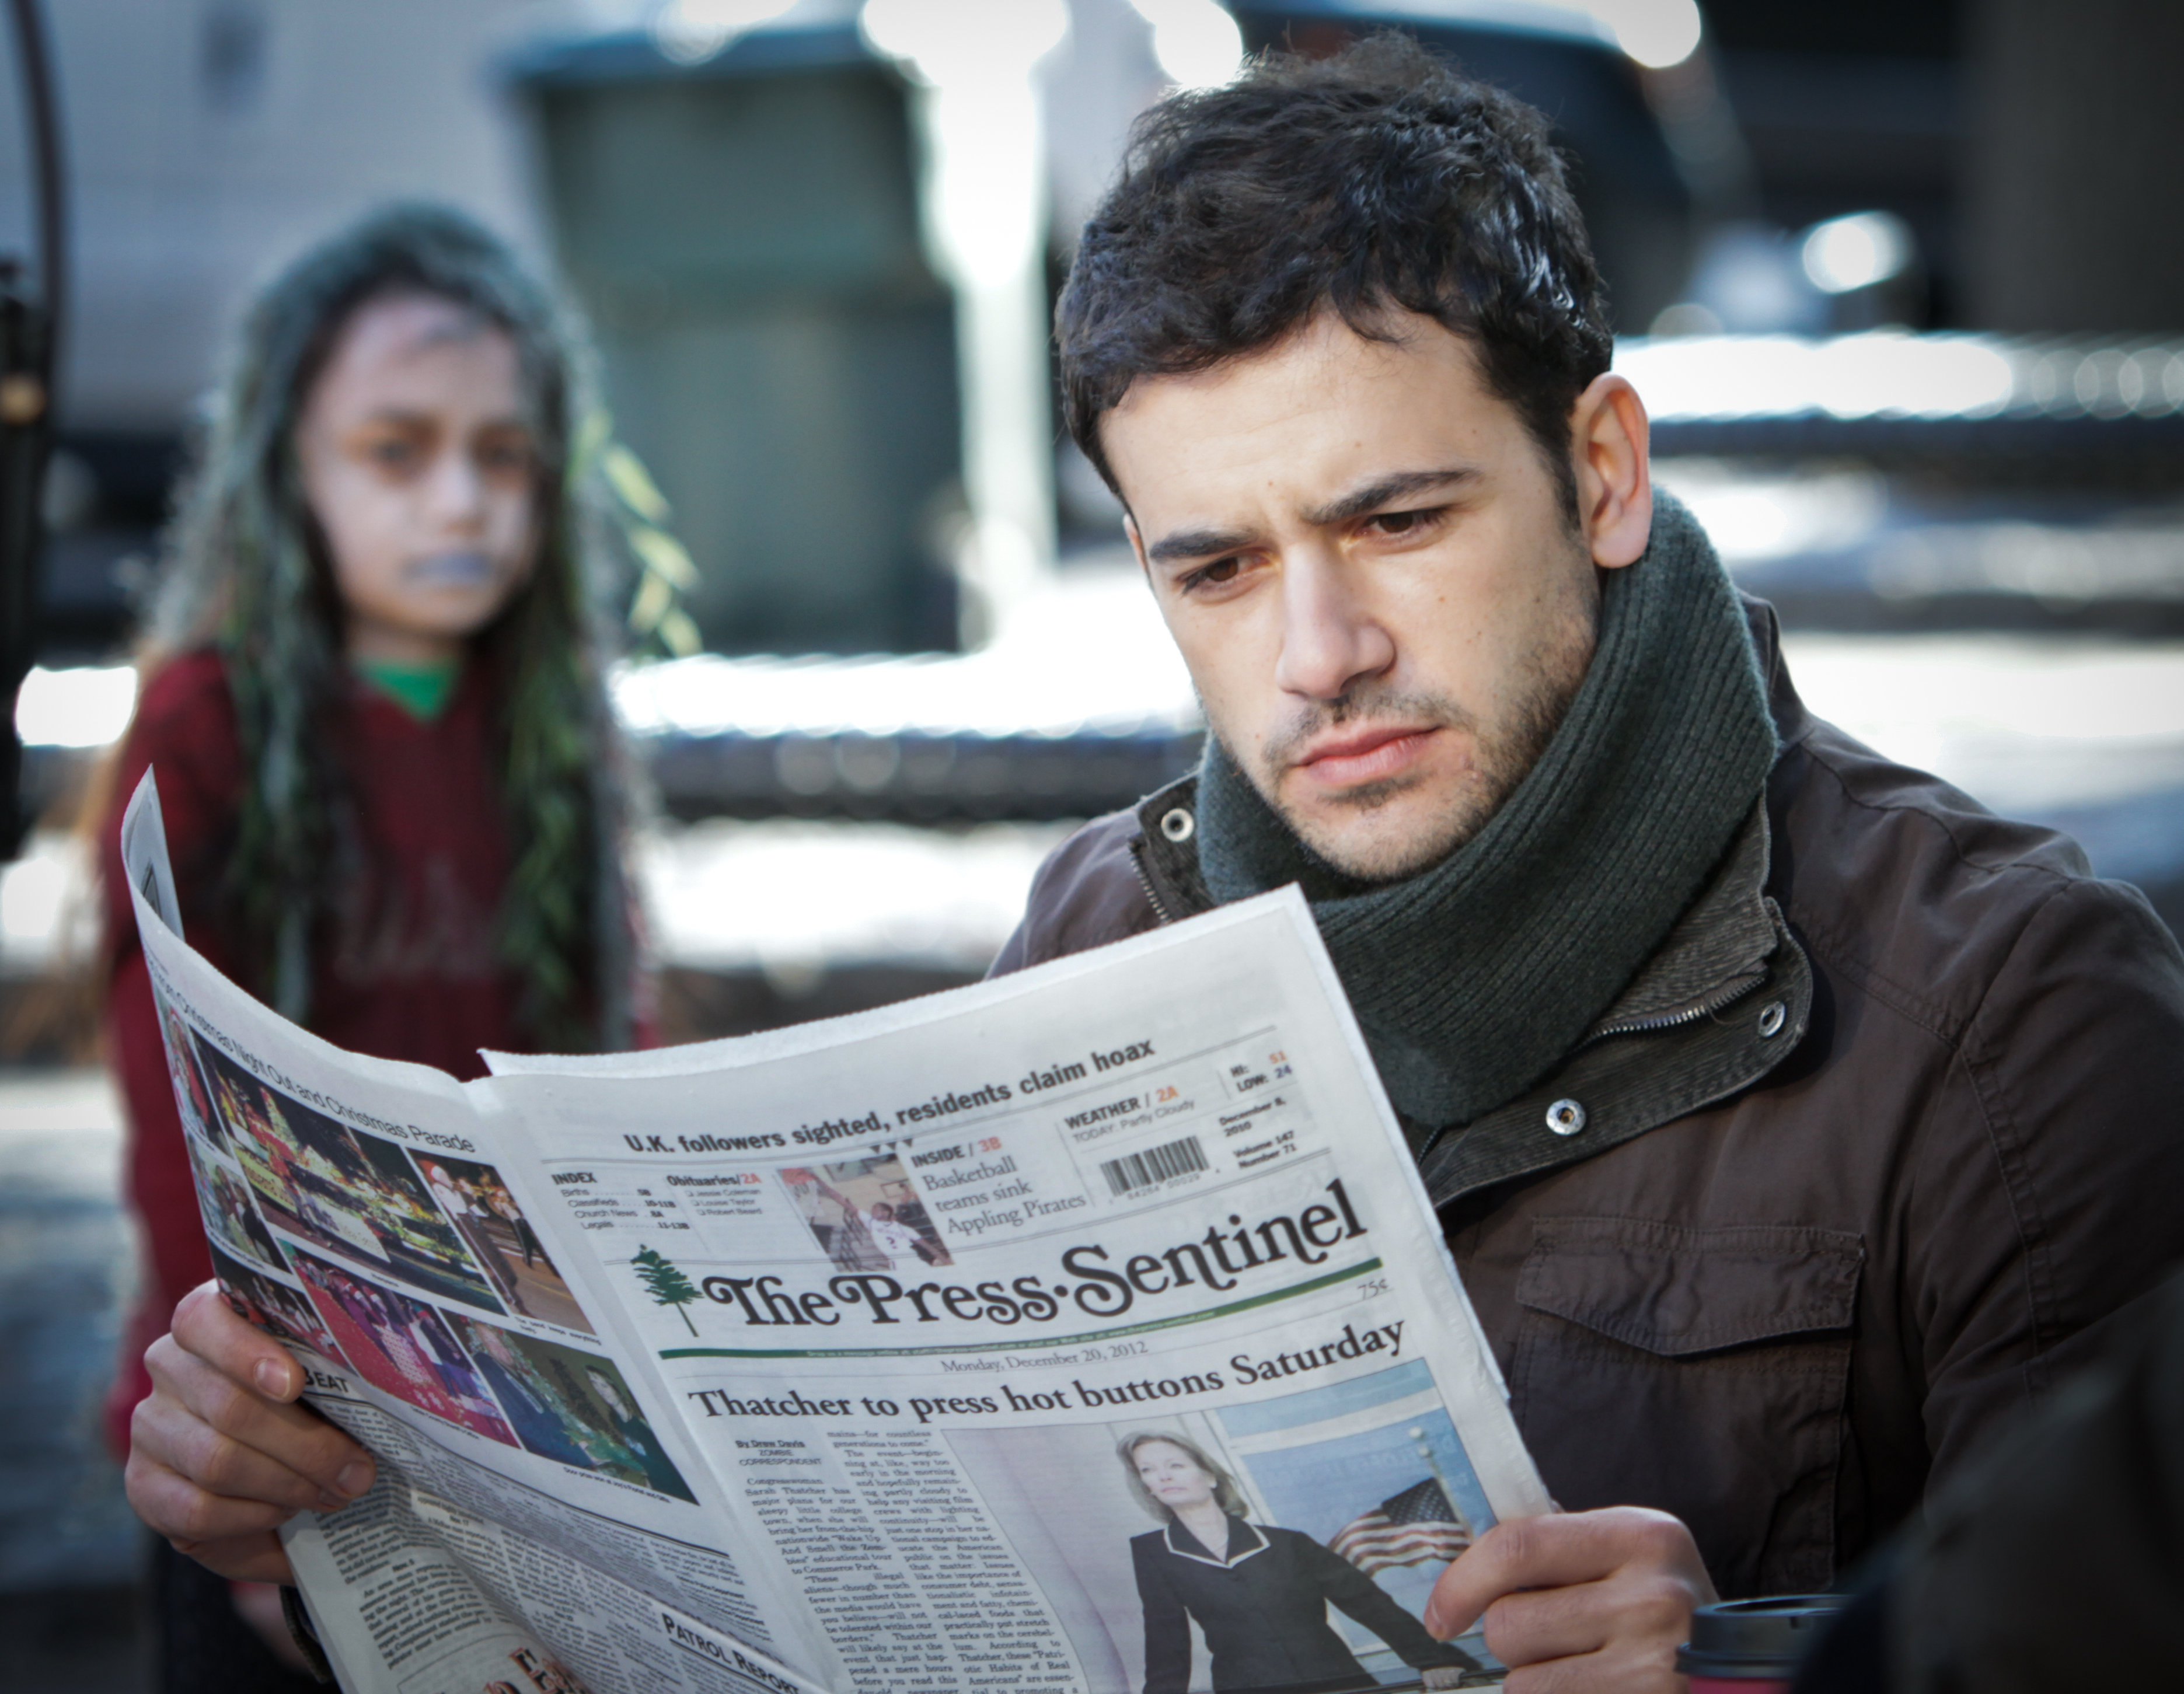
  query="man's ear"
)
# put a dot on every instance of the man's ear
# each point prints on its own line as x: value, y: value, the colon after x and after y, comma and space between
x: 1614, y: 471
x: 1137, y: 543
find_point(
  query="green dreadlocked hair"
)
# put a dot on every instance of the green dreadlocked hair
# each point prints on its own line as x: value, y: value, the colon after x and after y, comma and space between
x: 246, y: 570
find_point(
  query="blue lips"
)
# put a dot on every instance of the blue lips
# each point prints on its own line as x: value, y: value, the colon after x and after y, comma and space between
x: 453, y: 571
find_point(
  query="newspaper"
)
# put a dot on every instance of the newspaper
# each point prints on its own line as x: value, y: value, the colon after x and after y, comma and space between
x: 1067, y: 1332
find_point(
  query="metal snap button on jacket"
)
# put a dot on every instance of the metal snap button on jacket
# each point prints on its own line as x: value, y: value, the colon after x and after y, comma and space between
x: 1566, y: 1117
x: 1772, y: 1016
x: 1178, y: 824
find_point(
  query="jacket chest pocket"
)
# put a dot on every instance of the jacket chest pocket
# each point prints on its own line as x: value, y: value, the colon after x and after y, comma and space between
x: 1704, y: 1372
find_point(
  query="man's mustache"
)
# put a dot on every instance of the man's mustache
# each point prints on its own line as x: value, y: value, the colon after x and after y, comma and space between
x: 1366, y: 706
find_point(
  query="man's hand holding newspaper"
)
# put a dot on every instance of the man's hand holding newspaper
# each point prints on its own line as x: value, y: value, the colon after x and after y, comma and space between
x: 223, y: 1453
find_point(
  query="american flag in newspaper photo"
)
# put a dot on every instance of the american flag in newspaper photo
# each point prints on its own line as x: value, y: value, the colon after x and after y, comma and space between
x: 1408, y: 1527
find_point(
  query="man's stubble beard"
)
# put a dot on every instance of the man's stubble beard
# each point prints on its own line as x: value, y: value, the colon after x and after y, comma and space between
x: 1503, y: 753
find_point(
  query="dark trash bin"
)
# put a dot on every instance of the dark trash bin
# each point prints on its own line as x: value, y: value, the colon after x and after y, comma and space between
x: 743, y: 232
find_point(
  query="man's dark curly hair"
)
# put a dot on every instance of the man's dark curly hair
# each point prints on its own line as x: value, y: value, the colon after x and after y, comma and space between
x: 1381, y: 177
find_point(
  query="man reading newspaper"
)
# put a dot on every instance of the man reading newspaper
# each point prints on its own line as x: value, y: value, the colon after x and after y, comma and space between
x: 1793, y: 1120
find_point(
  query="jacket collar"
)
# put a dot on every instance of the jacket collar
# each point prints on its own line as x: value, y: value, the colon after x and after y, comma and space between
x: 1244, y: 1540
x: 1721, y: 1002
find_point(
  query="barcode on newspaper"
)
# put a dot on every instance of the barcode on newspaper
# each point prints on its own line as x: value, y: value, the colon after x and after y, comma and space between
x: 1155, y: 1164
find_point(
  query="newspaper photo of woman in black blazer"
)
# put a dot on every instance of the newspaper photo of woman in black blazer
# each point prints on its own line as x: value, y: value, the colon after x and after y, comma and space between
x: 1259, y: 1594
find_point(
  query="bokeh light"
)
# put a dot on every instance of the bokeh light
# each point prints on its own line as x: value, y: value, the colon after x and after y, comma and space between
x: 1857, y: 251
x: 1197, y: 41
x: 1657, y: 33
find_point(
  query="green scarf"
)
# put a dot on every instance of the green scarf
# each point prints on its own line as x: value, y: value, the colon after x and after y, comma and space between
x: 1474, y: 979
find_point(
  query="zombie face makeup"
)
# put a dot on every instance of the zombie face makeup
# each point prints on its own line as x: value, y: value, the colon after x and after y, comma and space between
x: 418, y: 464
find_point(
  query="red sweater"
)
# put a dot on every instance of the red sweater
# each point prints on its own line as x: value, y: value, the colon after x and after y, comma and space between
x: 405, y: 962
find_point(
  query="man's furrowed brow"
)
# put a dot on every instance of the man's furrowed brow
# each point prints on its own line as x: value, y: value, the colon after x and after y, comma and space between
x: 1385, y: 491
x: 1181, y: 545
x: 1197, y: 543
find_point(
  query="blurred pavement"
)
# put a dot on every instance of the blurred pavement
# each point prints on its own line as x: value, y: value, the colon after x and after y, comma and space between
x: 69, y: 1546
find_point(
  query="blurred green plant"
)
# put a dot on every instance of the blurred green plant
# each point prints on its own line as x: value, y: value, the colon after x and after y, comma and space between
x: 659, y: 626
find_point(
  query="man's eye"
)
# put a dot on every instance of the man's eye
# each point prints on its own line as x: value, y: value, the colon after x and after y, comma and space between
x: 1399, y: 523
x: 1220, y: 572
x: 392, y: 452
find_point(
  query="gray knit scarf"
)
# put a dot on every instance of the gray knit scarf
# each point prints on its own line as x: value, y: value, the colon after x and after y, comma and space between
x: 1473, y: 979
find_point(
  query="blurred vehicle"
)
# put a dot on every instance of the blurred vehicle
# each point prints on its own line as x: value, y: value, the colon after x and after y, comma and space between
x: 1859, y: 106
x: 1625, y: 135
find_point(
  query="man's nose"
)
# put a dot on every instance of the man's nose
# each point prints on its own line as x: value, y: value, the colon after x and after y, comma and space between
x: 1331, y: 638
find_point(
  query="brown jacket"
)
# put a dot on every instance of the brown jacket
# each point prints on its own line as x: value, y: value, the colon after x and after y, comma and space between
x: 1893, y: 1122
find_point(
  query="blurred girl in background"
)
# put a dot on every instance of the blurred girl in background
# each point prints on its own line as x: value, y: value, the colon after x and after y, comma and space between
x: 373, y: 693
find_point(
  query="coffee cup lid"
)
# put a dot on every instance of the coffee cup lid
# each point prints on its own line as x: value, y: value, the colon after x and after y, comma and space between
x: 1757, y: 1639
